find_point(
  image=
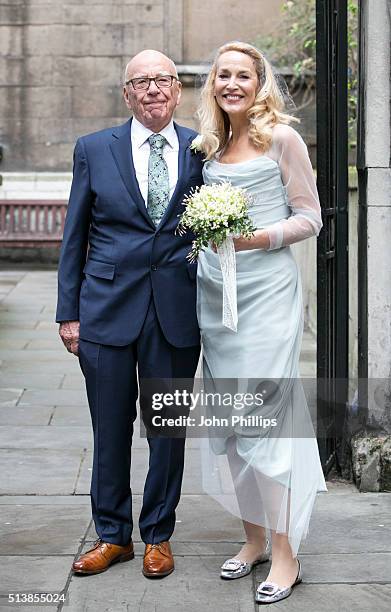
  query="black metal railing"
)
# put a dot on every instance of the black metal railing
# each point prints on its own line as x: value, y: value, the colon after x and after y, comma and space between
x: 332, y: 260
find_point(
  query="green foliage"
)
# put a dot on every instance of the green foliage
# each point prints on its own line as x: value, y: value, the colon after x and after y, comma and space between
x: 352, y: 69
x: 293, y: 47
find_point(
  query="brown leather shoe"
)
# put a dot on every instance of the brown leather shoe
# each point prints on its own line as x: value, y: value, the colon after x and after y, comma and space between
x: 101, y: 556
x: 158, y: 560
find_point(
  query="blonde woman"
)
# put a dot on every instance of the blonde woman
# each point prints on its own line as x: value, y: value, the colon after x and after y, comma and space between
x: 269, y: 477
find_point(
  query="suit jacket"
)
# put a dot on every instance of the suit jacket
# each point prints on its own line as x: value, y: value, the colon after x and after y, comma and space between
x: 113, y: 259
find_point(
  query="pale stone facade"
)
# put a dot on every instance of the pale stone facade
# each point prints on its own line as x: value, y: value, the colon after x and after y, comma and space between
x: 61, y: 64
x: 372, y: 445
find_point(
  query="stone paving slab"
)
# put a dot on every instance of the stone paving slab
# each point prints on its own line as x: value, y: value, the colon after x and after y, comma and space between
x: 194, y: 586
x: 40, y: 325
x: 22, y: 316
x: 53, y: 397
x: 43, y: 294
x: 17, y: 325
x: 44, y: 500
x: 9, y: 308
x: 30, y: 415
x: 17, y: 314
x: 33, y: 366
x: 39, y: 472
x: 8, y: 283
x: 60, y: 356
x: 26, y: 380
x: 70, y: 416
x: 17, y: 343
x: 37, y: 344
x: 42, y: 529
x: 22, y: 607
x: 36, y: 437
x: 26, y: 333
x: 75, y: 382
x: 359, y: 534
x: 34, y: 573
x: 9, y: 397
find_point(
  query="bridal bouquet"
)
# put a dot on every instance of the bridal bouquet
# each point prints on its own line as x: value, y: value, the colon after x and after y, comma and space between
x: 217, y: 214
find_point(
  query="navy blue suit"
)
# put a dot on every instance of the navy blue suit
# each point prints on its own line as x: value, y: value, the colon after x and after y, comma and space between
x: 134, y: 293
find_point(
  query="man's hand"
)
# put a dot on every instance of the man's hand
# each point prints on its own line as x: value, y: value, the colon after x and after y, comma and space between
x: 69, y: 333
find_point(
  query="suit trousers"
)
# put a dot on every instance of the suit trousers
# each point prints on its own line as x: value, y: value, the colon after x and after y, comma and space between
x: 112, y: 389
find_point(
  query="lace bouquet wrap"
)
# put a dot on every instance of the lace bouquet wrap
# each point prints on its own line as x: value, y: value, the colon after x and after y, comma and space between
x: 217, y: 214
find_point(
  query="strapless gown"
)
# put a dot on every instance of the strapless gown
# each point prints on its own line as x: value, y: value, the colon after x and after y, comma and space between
x: 270, y: 476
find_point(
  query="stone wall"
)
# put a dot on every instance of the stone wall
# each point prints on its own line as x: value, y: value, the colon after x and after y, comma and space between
x: 207, y: 25
x: 61, y: 63
x: 371, y: 446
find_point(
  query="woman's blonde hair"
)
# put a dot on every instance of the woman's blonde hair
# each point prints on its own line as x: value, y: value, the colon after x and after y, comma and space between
x: 267, y: 110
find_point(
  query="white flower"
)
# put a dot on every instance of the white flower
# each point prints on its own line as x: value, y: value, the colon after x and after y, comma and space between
x: 213, y: 213
x: 196, y: 143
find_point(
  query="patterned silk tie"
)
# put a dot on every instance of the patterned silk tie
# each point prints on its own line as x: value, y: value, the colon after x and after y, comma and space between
x: 158, y: 180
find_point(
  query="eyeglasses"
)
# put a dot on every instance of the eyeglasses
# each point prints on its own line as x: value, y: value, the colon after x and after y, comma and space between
x: 144, y: 82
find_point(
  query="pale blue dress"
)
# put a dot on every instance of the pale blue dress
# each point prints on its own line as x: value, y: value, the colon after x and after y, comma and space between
x: 267, y: 477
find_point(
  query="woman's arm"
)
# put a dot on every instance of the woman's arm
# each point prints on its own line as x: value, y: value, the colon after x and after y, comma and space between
x: 290, y: 152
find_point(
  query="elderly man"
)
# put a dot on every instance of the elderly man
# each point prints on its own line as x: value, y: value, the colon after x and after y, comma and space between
x: 127, y: 302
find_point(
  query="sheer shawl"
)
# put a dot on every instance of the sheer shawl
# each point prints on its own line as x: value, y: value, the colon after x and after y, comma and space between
x: 290, y: 152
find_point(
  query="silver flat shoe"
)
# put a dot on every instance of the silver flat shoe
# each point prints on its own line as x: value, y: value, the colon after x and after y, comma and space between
x: 270, y: 592
x: 234, y: 568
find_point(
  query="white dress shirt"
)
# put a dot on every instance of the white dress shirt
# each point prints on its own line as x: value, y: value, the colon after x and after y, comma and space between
x: 139, y: 135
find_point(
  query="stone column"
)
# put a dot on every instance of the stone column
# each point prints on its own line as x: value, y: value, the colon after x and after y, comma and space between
x: 372, y: 446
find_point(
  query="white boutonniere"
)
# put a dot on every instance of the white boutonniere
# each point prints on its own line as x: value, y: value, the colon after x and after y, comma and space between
x: 196, y: 144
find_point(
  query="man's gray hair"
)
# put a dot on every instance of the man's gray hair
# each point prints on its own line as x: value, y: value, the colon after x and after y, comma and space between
x: 146, y: 51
